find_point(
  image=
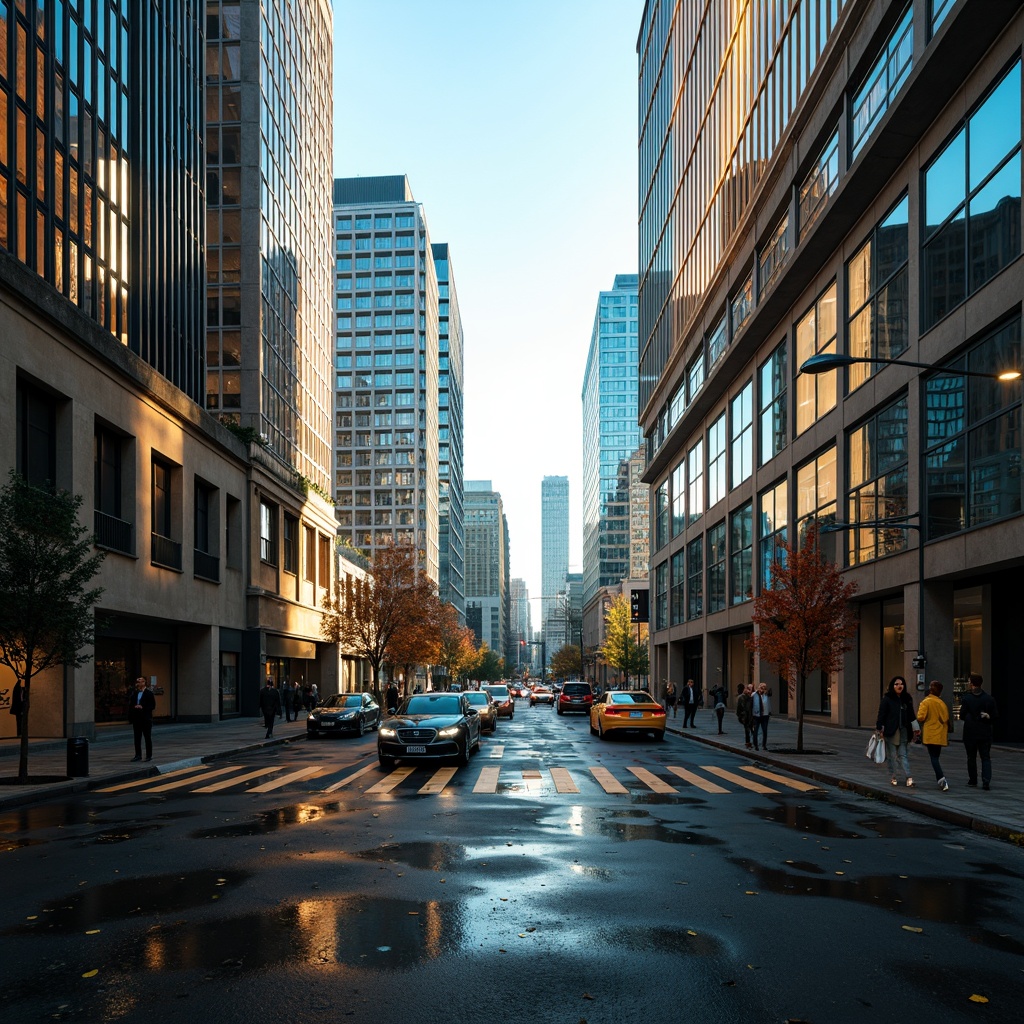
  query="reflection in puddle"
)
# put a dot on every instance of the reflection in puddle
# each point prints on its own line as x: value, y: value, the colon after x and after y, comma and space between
x: 801, y: 817
x: 131, y: 897
x: 664, y: 940
x: 56, y: 815
x: 270, y: 821
x: 627, y: 825
x: 601, y: 874
x: 967, y: 901
x: 428, y: 856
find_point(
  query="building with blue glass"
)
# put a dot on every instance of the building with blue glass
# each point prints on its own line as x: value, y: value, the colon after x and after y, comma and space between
x: 554, y: 554
x: 834, y: 177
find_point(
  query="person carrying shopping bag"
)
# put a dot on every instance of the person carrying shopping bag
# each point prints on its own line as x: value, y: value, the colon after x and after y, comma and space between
x: 896, y: 721
x: 933, y: 715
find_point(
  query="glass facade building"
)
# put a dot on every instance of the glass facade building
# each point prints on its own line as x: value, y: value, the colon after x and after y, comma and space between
x: 487, y: 566
x: 554, y: 546
x: 610, y: 436
x: 833, y: 177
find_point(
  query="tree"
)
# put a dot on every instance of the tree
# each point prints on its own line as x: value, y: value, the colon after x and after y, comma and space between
x: 46, y: 564
x: 456, y: 653
x: 417, y: 642
x: 621, y: 648
x: 803, y: 620
x: 488, y: 666
x: 567, y: 662
x: 364, y: 616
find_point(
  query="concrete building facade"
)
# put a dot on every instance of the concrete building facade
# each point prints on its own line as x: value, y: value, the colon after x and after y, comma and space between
x: 487, y: 566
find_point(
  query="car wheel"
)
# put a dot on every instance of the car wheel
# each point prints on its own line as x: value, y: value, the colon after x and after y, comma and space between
x: 376, y: 724
x: 659, y: 734
x: 462, y: 758
x: 600, y: 730
x: 362, y: 726
x: 387, y: 763
x: 559, y: 710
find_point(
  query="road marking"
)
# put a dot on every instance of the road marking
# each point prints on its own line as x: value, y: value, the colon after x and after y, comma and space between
x: 135, y: 783
x: 181, y: 783
x: 532, y: 773
x: 497, y: 751
x: 216, y: 787
x: 652, y: 780
x: 696, y: 780
x: 302, y: 773
x: 803, y: 787
x: 754, y: 787
x: 488, y: 781
x: 438, y: 781
x: 607, y: 781
x: 351, y: 778
x: 398, y: 776
x: 563, y: 781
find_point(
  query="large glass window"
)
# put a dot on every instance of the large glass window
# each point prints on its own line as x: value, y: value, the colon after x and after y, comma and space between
x: 661, y: 596
x: 741, y: 424
x: 773, y: 404
x: 716, y: 567
x: 972, y: 192
x: 695, y: 481
x: 877, y: 467
x: 291, y: 544
x: 37, y: 436
x: 883, y: 81
x: 268, y: 532
x: 876, y: 294
x: 678, y: 605
x: 741, y: 554
x: 972, y: 438
x: 816, y: 491
x: 716, y: 461
x: 773, y: 255
x: 678, y: 498
x: 815, y: 333
x: 772, y: 528
x: 820, y: 183
x: 661, y: 516
x: 695, y: 578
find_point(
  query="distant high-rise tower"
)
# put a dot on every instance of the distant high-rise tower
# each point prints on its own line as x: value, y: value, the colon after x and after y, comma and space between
x: 554, y: 543
x: 610, y: 435
x: 487, y: 565
x: 451, y: 531
x: 386, y: 473
x: 520, y: 630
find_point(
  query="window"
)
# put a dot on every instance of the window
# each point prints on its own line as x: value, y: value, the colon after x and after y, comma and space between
x: 678, y: 604
x: 325, y: 561
x: 661, y: 596
x: 815, y: 333
x: 37, y: 436
x: 716, y: 568
x: 772, y: 528
x: 973, y: 438
x: 695, y: 481
x: 107, y: 486
x: 678, y: 498
x: 772, y: 422
x: 883, y: 81
x: 309, y: 539
x: 291, y: 543
x: 166, y: 550
x: 876, y: 294
x: 741, y: 552
x: 718, y: 341
x: 695, y: 377
x: 940, y: 8
x: 773, y: 255
x: 972, y: 193
x: 816, y: 491
x: 716, y: 461
x: 204, y: 499
x: 820, y: 183
x: 742, y: 304
x: 268, y: 532
x: 661, y: 515
x: 695, y: 578
x: 741, y: 420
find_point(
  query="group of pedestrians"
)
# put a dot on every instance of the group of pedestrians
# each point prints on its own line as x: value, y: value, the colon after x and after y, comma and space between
x: 899, y: 725
x: 754, y: 711
x: 290, y: 699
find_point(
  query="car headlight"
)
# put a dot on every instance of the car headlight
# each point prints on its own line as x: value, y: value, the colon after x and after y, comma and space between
x: 452, y: 730
x: 385, y: 730
x: 347, y: 715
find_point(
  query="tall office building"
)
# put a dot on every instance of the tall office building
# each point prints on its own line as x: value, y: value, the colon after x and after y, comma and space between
x: 858, y: 194
x: 610, y: 435
x: 386, y: 362
x: 520, y: 628
x: 487, y: 566
x: 554, y: 545
x: 450, y: 501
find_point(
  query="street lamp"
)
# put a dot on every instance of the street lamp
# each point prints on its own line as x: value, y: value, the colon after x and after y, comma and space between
x: 825, y: 361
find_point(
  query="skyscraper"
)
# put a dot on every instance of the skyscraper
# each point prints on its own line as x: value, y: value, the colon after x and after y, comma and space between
x: 554, y: 545
x: 386, y: 477
x: 487, y: 566
x: 610, y: 435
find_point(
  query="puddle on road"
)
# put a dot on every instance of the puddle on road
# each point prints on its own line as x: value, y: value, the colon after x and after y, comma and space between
x: 55, y: 815
x: 428, y: 856
x: 664, y: 940
x: 627, y: 826
x: 966, y: 901
x: 130, y: 898
x: 270, y: 821
x: 801, y: 817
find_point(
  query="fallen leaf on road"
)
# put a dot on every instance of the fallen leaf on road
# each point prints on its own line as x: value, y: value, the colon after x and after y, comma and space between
x: 911, y: 928
x: 840, y: 872
x: 91, y: 974
x: 690, y: 932
x: 587, y: 995
x: 979, y: 999
x: 93, y: 931
x: 750, y: 892
x: 413, y: 913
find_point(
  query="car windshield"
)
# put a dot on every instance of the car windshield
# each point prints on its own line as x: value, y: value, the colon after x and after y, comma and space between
x: 343, y: 700
x: 477, y: 697
x: 634, y: 697
x: 433, y: 704
x: 498, y: 692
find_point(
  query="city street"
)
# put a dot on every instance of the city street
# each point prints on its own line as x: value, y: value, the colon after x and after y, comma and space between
x: 558, y: 878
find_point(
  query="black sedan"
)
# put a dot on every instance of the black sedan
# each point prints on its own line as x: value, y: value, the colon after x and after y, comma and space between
x: 344, y: 712
x: 486, y: 708
x: 429, y: 726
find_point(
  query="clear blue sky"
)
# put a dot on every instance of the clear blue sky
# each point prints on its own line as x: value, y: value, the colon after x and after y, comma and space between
x: 516, y: 125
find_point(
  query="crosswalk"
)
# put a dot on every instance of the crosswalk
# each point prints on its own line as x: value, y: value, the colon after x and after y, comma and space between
x: 488, y: 779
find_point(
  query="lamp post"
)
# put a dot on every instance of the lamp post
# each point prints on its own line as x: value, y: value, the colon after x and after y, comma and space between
x: 825, y: 361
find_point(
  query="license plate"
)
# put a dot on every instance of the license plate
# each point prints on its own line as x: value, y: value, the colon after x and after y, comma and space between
x: 415, y: 750
x: 636, y: 714
x: 576, y: 700
x: 328, y: 725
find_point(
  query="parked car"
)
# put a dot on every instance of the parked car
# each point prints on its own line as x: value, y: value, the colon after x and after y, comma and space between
x: 627, y: 710
x: 344, y: 712
x: 575, y: 697
x: 429, y: 726
x: 486, y: 708
x: 541, y: 695
x: 504, y: 705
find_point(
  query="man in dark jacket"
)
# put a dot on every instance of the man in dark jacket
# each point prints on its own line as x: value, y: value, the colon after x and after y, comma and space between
x: 977, y: 709
x: 288, y: 697
x: 270, y: 705
x: 140, y: 711
x: 689, y: 704
x: 391, y: 697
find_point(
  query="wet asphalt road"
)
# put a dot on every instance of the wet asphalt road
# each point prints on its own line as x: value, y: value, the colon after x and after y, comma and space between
x: 504, y: 895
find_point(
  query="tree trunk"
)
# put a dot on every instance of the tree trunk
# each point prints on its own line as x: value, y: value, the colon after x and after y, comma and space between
x: 800, y: 681
x: 23, y: 749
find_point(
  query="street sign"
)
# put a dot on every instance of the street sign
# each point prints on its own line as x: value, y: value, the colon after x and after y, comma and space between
x: 639, y: 606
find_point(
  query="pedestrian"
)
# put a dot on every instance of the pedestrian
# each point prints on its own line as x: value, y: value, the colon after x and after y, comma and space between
x: 719, y: 697
x: 689, y: 704
x: 141, y: 713
x: 18, y: 705
x: 270, y: 705
x: 288, y: 699
x: 895, y: 715
x: 745, y: 710
x: 297, y: 698
x: 762, y: 712
x: 314, y: 694
x: 307, y: 697
x: 391, y: 698
x: 978, y: 709
x: 670, y: 697
x: 933, y: 715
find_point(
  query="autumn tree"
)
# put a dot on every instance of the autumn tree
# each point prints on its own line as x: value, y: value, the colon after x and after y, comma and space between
x: 365, y: 616
x: 566, y: 662
x: 46, y: 611
x: 417, y: 642
x: 489, y: 666
x: 803, y: 620
x: 621, y: 648
x: 456, y: 653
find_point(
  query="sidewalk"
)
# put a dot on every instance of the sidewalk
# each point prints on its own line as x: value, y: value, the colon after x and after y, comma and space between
x: 841, y: 762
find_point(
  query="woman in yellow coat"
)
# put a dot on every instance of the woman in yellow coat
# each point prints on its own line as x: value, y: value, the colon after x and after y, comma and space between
x: 933, y: 715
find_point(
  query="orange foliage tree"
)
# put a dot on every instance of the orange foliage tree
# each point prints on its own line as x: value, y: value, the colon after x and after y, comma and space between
x: 456, y: 650
x: 803, y: 620
x: 418, y: 642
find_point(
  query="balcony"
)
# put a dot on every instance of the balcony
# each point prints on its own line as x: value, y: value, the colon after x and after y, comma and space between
x: 165, y: 553
x: 112, y: 533
x: 205, y: 566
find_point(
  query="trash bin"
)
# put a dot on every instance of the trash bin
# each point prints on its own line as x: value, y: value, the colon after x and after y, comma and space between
x: 78, y: 757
